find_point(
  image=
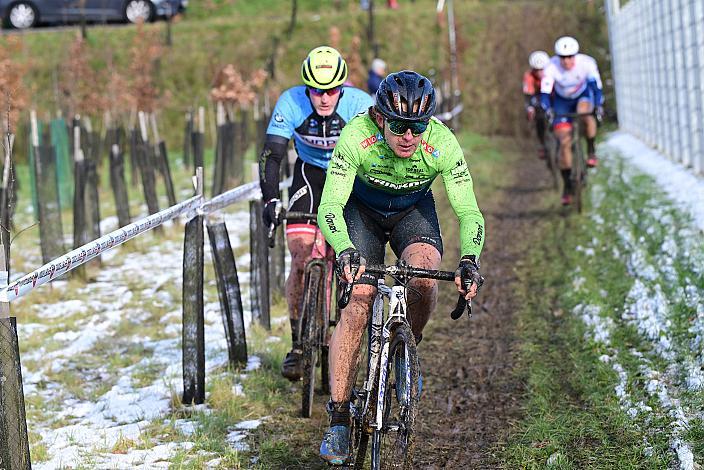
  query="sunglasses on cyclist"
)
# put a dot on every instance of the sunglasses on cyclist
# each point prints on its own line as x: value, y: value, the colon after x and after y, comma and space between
x: 400, y: 127
x: 321, y: 92
x: 566, y: 57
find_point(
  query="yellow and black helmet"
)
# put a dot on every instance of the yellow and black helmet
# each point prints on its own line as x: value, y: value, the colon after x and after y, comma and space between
x: 324, y: 68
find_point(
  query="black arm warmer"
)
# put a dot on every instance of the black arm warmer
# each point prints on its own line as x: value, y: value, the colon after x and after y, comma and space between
x: 274, y: 151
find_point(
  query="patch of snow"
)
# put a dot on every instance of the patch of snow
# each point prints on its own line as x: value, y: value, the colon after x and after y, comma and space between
x: 185, y: 427
x: 253, y: 363
x: 680, y: 184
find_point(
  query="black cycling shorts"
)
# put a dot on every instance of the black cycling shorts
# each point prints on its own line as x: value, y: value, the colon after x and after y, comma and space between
x: 371, y: 231
x: 304, y: 195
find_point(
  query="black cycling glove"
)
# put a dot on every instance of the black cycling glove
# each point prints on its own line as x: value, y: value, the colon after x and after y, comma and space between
x: 351, y: 259
x: 599, y: 114
x: 272, y: 213
x: 468, y: 272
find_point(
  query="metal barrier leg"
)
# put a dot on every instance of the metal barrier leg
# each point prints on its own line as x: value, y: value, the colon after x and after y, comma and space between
x: 193, y: 314
x: 228, y: 293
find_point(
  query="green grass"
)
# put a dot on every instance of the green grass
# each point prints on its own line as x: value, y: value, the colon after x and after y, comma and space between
x: 571, y: 407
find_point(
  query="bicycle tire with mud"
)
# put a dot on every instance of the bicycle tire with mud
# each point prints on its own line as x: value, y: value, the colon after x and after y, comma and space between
x: 310, y: 337
x: 401, y: 448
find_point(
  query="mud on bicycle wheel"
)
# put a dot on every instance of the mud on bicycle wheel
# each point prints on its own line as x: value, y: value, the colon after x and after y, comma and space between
x: 311, y: 317
x: 551, y: 159
x: 359, y: 432
x: 392, y: 446
x: 579, y: 170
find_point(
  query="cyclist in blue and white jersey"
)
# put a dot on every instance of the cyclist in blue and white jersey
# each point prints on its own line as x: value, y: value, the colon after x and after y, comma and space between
x: 576, y: 83
x: 314, y: 115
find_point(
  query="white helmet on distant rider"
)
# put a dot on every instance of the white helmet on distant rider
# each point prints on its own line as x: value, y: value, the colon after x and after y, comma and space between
x: 538, y: 60
x: 566, y: 46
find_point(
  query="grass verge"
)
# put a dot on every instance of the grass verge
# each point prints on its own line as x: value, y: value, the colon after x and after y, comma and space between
x: 607, y: 333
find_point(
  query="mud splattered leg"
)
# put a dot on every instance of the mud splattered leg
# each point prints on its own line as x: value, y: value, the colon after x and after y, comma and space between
x: 344, y: 345
x: 421, y: 255
x: 300, y: 246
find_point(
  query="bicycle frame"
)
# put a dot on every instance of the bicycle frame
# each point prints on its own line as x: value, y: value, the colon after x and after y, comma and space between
x: 379, y: 343
x: 397, y: 314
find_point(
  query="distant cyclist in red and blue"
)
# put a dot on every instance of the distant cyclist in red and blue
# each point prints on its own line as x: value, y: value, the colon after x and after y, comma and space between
x: 576, y: 83
x: 537, y: 60
x: 314, y: 115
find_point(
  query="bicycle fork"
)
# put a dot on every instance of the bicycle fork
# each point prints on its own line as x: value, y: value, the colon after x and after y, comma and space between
x: 397, y: 309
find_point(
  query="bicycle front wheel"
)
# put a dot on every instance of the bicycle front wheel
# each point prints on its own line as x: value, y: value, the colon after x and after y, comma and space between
x: 579, y: 171
x: 310, y: 335
x: 551, y: 159
x: 392, y: 445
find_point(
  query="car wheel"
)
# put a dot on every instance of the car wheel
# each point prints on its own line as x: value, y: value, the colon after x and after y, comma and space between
x: 22, y: 15
x: 137, y: 11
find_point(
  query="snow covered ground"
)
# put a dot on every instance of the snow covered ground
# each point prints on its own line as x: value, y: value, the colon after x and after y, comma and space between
x: 110, y: 405
x: 659, y: 241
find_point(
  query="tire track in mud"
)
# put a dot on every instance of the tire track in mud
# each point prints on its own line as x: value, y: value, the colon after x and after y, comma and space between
x: 471, y: 395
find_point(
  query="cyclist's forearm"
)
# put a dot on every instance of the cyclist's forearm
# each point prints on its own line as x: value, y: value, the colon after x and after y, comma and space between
x: 270, y: 159
x: 332, y: 224
x: 460, y: 194
x: 338, y: 187
x: 471, y: 233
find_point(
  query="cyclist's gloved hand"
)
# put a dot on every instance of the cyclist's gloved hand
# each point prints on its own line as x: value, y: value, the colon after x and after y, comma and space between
x: 350, y: 265
x: 468, y: 274
x: 599, y: 114
x: 272, y: 213
x: 530, y: 113
x: 550, y: 115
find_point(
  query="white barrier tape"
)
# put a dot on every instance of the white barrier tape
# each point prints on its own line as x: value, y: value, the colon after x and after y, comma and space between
x: 240, y: 193
x: 247, y: 191
x: 450, y: 114
x: 79, y: 256
x: 82, y: 255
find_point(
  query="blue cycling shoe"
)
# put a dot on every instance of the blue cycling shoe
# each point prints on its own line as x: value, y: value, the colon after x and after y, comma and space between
x: 335, y: 448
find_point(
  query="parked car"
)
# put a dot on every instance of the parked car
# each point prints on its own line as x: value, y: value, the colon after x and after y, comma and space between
x: 22, y: 14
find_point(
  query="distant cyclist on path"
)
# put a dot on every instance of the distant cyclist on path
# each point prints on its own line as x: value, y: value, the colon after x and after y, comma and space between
x: 378, y: 192
x: 532, y: 77
x: 576, y: 83
x: 314, y: 115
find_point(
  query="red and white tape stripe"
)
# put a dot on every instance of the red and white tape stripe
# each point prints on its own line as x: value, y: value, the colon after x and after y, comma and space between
x: 79, y: 256
x: 82, y: 255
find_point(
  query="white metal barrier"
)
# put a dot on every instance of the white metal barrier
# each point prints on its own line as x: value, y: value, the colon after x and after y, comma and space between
x: 657, y: 49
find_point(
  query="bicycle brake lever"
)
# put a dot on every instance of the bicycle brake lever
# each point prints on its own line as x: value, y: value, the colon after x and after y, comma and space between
x: 462, y: 303
x: 459, y: 309
x: 272, y: 239
x: 345, y: 297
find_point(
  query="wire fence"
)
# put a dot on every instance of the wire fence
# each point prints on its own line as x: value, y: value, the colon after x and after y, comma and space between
x: 657, y: 49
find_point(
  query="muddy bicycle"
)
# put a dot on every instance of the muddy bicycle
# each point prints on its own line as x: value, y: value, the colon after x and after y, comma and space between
x: 552, y: 148
x: 316, y: 311
x: 385, y: 404
x: 579, y: 163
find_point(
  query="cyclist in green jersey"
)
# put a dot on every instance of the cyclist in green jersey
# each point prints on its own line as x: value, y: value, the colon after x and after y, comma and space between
x: 377, y: 191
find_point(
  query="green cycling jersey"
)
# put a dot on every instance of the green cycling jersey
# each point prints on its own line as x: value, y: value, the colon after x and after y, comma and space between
x: 364, y: 163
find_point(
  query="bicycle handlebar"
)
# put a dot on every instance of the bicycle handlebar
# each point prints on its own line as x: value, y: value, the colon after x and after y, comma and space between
x: 283, y: 214
x: 413, y: 272
x: 573, y: 115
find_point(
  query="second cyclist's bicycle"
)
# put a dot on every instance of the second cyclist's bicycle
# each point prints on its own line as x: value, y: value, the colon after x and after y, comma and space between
x: 315, y: 313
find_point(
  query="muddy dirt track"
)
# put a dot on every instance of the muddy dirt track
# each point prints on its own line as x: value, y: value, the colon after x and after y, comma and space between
x: 470, y: 394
